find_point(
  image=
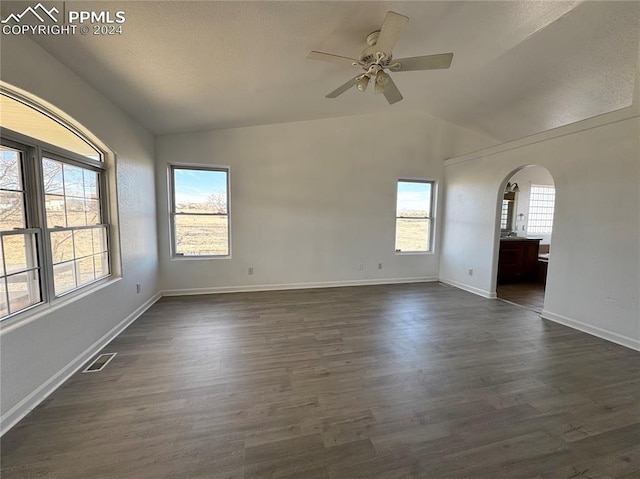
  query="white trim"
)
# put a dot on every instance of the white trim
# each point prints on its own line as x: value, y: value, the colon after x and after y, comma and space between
x: 577, y: 127
x: 24, y: 407
x: 287, y: 286
x: 469, y: 288
x: 593, y: 330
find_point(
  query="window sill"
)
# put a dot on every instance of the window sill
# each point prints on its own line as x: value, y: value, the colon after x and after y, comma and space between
x: 196, y: 258
x: 38, y: 311
x: 413, y: 253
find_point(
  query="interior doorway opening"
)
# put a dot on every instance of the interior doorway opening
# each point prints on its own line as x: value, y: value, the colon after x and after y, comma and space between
x: 526, y: 212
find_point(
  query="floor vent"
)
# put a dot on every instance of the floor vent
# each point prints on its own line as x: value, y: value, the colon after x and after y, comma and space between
x: 99, y: 363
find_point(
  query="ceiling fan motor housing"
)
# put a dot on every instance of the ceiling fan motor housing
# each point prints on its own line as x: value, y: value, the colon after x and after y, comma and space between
x: 377, y: 57
x: 369, y: 54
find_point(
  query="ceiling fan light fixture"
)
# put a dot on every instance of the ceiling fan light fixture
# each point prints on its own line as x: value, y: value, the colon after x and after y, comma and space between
x: 378, y: 56
x: 363, y: 83
x: 382, y: 80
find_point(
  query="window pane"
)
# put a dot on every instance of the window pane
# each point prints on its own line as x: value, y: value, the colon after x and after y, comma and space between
x: 19, y: 117
x: 11, y: 210
x: 541, y: 206
x: 101, y: 262
x: 4, y: 311
x: 86, y: 271
x: 52, y: 176
x: 412, y: 234
x: 61, y: 246
x: 75, y: 212
x: 20, y: 252
x: 24, y: 290
x: 92, y: 208
x: 75, y: 260
x: 83, y: 243
x: 73, y: 181
x: 55, y: 207
x: 202, y: 235
x: 200, y: 191
x: 414, y: 199
x: 90, y: 184
x: 63, y: 277
x: 99, y: 239
x: 10, y: 174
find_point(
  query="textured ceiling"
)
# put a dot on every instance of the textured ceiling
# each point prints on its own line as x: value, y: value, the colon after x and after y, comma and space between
x: 518, y: 67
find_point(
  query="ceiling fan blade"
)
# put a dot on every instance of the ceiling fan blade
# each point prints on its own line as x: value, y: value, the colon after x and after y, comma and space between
x: 427, y: 62
x: 329, y: 57
x: 340, y: 90
x: 392, y: 27
x: 391, y: 92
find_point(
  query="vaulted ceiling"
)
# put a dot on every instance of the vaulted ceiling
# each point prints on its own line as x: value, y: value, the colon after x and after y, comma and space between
x: 518, y: 67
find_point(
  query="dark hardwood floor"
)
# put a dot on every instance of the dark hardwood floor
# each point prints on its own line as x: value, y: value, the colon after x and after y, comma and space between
x: 398, y: 381
x: 527, y: 295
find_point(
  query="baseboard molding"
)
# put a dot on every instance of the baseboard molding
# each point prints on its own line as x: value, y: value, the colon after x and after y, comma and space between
x: 24, y: 407
x: 469, y: 288
x: 286, y: 286
x: 592, y: 330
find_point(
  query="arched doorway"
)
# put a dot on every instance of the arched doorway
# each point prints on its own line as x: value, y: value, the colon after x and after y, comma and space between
x: 526, y: 212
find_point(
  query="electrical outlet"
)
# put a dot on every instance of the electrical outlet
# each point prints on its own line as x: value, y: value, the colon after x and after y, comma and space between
x: 360, y: 266
x: 470, y: 272
x: 379, y: 265
x: 138, y: 288
x: 250, y: 271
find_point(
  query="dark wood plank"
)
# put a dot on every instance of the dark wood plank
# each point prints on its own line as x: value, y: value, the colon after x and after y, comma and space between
x: 385, y: 382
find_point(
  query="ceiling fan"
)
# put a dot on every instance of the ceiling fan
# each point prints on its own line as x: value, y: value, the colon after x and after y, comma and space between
x: 378, y: 56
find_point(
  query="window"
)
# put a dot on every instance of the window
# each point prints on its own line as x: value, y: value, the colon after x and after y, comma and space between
x: 77, y: 234
x: 414, y: 216
x: 53, y: 215
x: 541, y: 204
x: 504, y: 215
x: 20, y: 269
x: 200, y: 211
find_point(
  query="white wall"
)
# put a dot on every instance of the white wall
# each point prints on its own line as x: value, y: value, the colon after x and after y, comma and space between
x: 310, y: 200
x: 531, y: 175
x: 36, y: 355
x: 593, y: 279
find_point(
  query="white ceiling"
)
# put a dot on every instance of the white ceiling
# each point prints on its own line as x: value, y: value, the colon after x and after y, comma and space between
x: 518, y: 67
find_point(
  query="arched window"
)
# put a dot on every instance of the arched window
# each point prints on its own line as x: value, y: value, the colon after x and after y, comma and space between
x: 54, y: 217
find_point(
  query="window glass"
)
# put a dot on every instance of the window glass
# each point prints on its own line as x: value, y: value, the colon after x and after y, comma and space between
x: 541, y: 207
x: 414, y: 216
x: 19, y: 268
x: 28, y: 121
x: 200, y: 215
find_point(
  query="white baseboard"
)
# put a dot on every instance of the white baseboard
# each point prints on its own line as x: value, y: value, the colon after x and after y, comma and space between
x: 469, y: 288
x: 24, y: 407
x: 286, y: 286
x: 593, y: 330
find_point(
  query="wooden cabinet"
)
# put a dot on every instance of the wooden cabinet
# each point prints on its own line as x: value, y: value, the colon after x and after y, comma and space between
x: 518, y: 260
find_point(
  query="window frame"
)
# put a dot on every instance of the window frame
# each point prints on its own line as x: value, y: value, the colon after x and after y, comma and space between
x: 530, y: 214
x: 172, y: 167
x: 31, y: 220
x: 430, y: 216
x: 34, y: 150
